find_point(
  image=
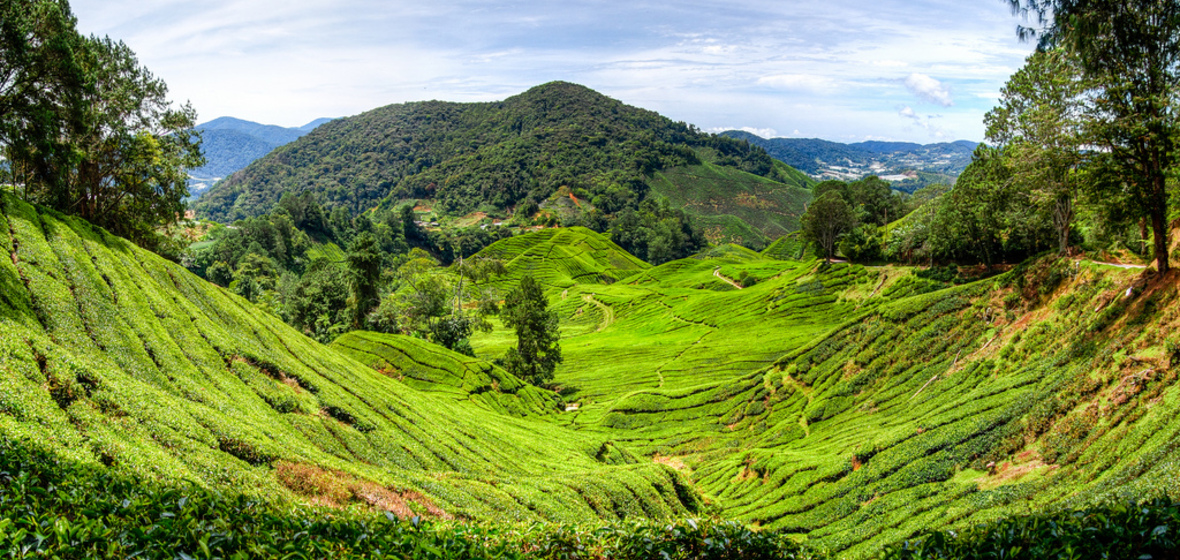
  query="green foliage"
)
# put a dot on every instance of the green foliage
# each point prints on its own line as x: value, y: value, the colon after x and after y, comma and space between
x: 732, y: 206
x: 826, y: 220
x: 465, y: 156
x: 657, y: 233
x: 1128, y: 54
x: 986, y: 218
x: 1126, y: 530
x: 1040, y: 121
x: 115, y: 358
x: 537, y: 352
x: 92, y: 132
x: 61, y: 510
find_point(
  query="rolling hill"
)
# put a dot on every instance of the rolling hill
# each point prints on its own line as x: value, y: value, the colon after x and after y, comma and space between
x: 466, y: 157
x: 859, y: 406
x: 113, y: 358
x: 846, y: 406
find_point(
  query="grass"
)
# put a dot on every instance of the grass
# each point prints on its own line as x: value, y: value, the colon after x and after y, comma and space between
x: 563, y: 257
x: 859, y: 406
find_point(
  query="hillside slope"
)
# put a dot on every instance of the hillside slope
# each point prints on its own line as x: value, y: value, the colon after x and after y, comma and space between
x: 732, y: 206
x: 563, y: 257
x: 857, y: 406
x: 466, y: 157
x: 112, y: 356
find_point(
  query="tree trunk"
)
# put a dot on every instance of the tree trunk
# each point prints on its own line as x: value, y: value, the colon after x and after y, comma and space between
x: 1062, y: 218
x: 1159, y: 229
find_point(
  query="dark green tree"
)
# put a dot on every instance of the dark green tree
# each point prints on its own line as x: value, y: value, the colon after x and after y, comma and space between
x: 133, y: 148
x: 364, y: 276
x: 41, y: 80
x: 537, y: 352
x: 1039, y: 123
x: 826, y: 219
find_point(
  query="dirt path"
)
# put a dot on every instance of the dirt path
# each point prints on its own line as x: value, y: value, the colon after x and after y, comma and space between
x: 726, y: 279
x: 1119, y: 265
x: 608, y: 314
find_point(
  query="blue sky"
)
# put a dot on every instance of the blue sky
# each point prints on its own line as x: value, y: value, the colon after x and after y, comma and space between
x: 843, y: 70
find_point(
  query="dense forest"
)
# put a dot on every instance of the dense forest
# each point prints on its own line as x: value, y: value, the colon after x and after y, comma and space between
x: 481, y: 156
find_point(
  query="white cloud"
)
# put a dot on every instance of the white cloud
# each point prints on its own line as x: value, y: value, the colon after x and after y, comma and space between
x: 925, y: 123
x: 929, y: 89
x: 807, y: 83
x: 769, y: 64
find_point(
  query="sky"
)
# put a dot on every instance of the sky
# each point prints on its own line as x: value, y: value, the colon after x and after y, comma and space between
x: 842, y: 70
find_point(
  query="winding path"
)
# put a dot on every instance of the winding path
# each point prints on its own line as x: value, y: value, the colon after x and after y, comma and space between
x: 608, y: 314
x: 726, y: 279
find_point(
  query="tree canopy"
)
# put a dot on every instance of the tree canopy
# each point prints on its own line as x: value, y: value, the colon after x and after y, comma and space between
x: 1129, y: 52
x: 86, y: 129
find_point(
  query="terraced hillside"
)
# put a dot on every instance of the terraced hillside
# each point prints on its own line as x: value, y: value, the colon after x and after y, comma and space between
x: 432, y: 368
x: 849, y: 406
x: 736, y: 207
x: 857, y: 406
x: 113, y: 357
x: 563, y: 257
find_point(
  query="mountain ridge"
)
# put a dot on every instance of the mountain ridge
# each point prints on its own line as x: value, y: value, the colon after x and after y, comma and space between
x: 230, y: 144
x: 489, y: 157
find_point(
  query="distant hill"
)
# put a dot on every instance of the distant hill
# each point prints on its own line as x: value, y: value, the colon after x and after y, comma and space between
x: 488, y: 157
x: 907, y: 165
x: 230, y: 144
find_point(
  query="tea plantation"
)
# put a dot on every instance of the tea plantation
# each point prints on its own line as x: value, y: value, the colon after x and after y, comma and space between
x: 729, y: 405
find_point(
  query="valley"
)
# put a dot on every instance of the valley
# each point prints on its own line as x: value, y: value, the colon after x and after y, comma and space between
x: 848, y: 406
x: 559, y: 326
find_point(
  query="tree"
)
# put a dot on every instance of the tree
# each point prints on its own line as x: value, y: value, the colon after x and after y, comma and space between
x: 364, y: 276
x: 40, y: 81
x: 1040, y: 123
x: 115, y: 152
x: 134, y: 148
x: 537, y: 352
x: 1130, y: 54
x: 826, y: 219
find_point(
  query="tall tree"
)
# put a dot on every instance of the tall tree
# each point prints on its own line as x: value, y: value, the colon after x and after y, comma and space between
x: 1130, y: 52
x: 975, y: 217
x: 1039, y: 122
x: 41, y: 80
x: 826, y: 219
x: 537, y: 351
x: 128, y: 149
x: 364, y: 276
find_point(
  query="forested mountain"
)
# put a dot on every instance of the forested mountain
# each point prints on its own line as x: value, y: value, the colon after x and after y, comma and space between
x: 230, y: 144
x: 907, y: 165
x: 466, y: 157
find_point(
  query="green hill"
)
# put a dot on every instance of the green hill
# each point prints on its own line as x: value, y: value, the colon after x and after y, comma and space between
x: 432, y: 368
x: 733, y: 206
x: 563, y: 257
x: 467, y: 157
x: 850, y: 407
x: 113, y: 357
